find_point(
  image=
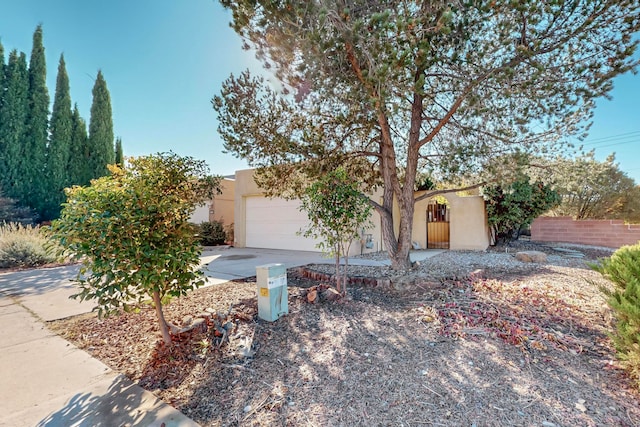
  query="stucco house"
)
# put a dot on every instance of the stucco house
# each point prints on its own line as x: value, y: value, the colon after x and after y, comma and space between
x: 450, y: 222
x: 221, y: 208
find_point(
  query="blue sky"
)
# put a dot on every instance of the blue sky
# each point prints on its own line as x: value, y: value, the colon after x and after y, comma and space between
x: 165, y: 59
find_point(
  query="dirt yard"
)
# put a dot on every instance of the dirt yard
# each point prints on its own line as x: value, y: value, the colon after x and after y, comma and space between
x: 515, y: 345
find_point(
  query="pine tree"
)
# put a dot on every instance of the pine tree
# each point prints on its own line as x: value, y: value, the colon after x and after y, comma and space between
x: 13, y: 119
x: 101, y: 141
x: 61, y: 129
x: 34, y: 184
x: 79, y: 151
x: 119, y: 153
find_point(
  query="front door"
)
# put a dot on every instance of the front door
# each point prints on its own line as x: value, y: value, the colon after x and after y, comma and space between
x: 437, y: 225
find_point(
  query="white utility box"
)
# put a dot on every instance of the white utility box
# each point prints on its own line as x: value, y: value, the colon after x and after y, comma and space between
x: 272, y: 291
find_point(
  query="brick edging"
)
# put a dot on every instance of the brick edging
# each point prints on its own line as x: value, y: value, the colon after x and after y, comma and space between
x: 373, y: 282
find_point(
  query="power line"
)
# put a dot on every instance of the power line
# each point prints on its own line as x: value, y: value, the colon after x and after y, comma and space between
x: 621, y: 136
x: 617, y: 143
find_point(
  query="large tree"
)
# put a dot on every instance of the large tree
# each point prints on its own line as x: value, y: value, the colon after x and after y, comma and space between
x: 78, y: 167
x: 13, y: 121
x: 101, y: 142
x: 513, y: 206
x: 34, y: 184
x: 389, y: 88
x: 595, y: 189
x: 61, y: 129
x: 2, y: 65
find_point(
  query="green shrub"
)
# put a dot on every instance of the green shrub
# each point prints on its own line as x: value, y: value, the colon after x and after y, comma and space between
x: 211, y: 233
x: 25, y: 246
x: 512, y: 207
x: 623, y: 269
x: 10, y: 211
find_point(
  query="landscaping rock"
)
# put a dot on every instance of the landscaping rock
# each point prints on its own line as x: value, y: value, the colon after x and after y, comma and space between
x: 200, y: 324
x: 187, y: 321
x: 580, y: 405
x: 531, y: 256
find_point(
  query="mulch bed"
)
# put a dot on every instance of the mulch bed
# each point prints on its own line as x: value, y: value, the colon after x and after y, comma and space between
x: 502, y: 350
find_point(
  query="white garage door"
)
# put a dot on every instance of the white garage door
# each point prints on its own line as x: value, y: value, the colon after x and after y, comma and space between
x: 273, y: 224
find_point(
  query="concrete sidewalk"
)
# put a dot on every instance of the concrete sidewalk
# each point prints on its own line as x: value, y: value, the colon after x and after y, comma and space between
x: 47, y: 381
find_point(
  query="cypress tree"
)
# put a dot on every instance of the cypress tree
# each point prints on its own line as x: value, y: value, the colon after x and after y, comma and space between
x: 3, y: 88
x: 2, y: 66
x: 35, y: 186
x: 79, y: 150
x: 119, y: 154
x: 61, y: 131
x: 101, y: 130
x: 13, y: 119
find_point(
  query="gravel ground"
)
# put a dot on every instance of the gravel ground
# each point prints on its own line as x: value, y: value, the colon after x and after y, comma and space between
x: 494, y: 262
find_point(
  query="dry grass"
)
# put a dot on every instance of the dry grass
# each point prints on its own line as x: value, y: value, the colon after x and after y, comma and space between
x: 25, y: 246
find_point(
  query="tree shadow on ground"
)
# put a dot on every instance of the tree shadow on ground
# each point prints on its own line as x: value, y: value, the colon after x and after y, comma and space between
x: 371, y: 360
x: 122, y: 404
x: 36, y: 281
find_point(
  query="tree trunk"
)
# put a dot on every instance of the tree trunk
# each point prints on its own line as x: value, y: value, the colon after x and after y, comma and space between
x: 345, y: 277
x: 338, y: 270
x: 166, y: 337
x: 406, y: 197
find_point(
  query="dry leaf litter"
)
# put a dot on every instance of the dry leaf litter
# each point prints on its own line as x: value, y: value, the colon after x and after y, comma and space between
x: 464, y: 338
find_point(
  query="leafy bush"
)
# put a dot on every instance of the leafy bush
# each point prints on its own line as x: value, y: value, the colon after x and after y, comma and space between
x: 212, y: 233
x: 131, y: 233
x: 25, y: 246
x: 623, y: 269
x: 512, y: 207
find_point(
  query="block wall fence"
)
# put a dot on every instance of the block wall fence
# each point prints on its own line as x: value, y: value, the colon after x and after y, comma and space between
x: 607, y: 233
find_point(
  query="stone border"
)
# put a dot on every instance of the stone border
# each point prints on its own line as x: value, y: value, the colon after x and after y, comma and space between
x: 400, y: 283
x: 373, y: 282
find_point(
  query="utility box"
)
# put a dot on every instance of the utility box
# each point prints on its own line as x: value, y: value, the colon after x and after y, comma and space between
x: 273, y: 297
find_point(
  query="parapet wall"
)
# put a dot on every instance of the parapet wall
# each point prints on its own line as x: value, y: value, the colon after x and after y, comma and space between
x: 607, y: 233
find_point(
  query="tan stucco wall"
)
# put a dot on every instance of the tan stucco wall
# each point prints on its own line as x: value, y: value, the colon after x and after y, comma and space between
x: 245, y: 186
x: 469, y: 230
x: 467, y: 222
x: 223, y: 205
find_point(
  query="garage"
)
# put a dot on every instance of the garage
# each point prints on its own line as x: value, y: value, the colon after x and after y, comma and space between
x: 274, y: 224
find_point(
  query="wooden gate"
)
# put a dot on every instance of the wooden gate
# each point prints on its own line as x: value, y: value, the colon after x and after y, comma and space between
x: 437, y: 225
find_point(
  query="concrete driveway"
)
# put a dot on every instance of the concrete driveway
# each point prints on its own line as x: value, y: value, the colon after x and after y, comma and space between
x: 224, y: 263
